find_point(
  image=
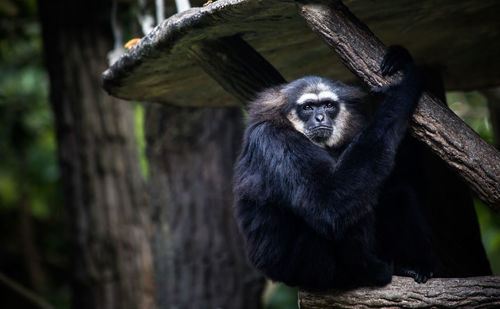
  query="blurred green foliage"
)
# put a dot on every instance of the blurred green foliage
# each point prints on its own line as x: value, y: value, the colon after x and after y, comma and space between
x: 472, y: 107
x: 490, y: 232
x: 141, y: 139
x: 280, y: 296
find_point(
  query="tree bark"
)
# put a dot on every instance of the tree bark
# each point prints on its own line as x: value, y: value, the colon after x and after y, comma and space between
x: 476, y: 292
x: 476, y: 161
x: 199, y: 255
x: 103, y: 190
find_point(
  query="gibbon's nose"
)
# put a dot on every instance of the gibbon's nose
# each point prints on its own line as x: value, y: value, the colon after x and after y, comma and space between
x: 319, y: 117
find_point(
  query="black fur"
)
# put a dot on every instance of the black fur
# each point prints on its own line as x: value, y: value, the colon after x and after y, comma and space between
x: 336, y: 217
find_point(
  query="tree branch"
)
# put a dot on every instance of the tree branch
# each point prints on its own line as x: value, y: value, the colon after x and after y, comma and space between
x: 26, y: 293
x: 475, y: 292
x: 476, y: 161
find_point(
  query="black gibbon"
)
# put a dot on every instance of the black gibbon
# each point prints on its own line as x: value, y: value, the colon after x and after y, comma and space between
x: 321, y: 194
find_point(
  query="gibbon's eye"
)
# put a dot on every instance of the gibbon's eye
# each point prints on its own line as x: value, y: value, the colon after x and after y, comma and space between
x: 329, y: 105
x: 307, y: 108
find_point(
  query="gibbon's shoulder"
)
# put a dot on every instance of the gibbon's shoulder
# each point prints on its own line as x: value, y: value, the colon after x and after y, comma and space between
x: 268, y: 105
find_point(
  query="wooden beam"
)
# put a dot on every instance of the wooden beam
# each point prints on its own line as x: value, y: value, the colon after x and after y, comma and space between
x: 236, y: 66
x: 474, y: 292
x: 476, y: 161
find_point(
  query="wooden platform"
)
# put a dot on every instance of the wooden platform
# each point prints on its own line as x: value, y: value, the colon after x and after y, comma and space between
x: 462, y: 37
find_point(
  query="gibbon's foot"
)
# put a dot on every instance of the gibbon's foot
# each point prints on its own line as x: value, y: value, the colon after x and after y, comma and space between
x: 395, y: 59
x: 418, y: 276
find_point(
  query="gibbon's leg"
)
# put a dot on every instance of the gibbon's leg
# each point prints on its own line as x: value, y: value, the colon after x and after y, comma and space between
x: 403, y: 235
x: 317, y: 263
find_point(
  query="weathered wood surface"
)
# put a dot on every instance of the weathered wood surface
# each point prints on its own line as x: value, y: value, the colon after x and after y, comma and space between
x: 236, y: 66
x: 476, y: 292
x: 461, y: 36
x: 163, y: 66
x: 476, y: 161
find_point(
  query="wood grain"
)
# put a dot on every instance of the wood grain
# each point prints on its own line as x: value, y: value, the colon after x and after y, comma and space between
x: 476, y: 292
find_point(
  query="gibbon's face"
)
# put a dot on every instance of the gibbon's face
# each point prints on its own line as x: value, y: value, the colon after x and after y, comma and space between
x: 318, y: 110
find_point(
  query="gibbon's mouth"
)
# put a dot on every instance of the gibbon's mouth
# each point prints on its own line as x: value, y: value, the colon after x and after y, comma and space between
x: 319, y: 134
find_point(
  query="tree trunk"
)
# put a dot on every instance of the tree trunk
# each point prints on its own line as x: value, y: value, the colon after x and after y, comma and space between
x: 199, y: 254
x: 103, y: 189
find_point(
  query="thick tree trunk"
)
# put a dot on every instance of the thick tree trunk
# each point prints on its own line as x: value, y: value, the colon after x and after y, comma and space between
x: 103, y: 189
x: 476, y: 161
x: 477, y: 292
x: 199, y: 254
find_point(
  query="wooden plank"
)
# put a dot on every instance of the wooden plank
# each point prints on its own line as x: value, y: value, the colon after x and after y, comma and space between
x: 461, y: 36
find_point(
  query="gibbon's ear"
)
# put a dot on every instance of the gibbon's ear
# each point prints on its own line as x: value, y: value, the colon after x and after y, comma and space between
x: 268, y: 104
